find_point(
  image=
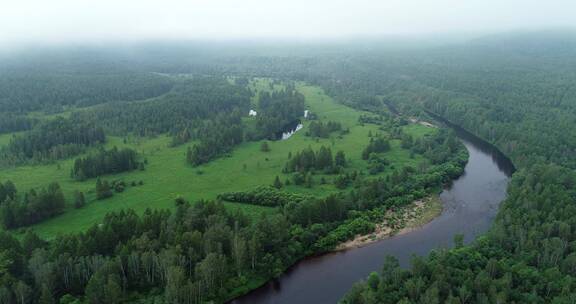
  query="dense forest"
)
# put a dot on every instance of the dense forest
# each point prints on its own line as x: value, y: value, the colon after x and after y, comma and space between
x: 12, y: 123
x: 55, y: 139
x: 33, y: 207
x: 264, y: 196
x: 278, y: 110
x: 184, y: 108
x: 216, y: 137
x: 25, y: 91
x: 376, y: 145
x: 526, y: 256
x: 320, y: 129
x: 106, y: 162
x: 321, y: 160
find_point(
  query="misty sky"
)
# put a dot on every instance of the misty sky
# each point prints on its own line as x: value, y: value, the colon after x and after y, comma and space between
x: 97, y: 20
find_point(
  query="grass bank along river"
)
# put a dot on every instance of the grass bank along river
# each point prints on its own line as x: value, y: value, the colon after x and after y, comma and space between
x: 470, y: 205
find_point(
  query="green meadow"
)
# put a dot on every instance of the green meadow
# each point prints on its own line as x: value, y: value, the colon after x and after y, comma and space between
x: 5, y: 139
x: 168, y: 176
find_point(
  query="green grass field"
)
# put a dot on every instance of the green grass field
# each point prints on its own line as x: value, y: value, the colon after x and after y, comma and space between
x: 168, y: 176
x: 5, y: 139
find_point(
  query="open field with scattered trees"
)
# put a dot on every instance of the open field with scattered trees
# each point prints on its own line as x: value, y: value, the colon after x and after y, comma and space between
x: 166, y: 175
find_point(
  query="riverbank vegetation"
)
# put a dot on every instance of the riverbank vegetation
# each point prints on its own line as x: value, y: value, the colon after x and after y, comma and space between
x: 398, y: 221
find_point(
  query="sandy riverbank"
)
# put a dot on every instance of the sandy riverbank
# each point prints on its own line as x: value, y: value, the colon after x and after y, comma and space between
x: 422, y: 122
x: 407, y: 219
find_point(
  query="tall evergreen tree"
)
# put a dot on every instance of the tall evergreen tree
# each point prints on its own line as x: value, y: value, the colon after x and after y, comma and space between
x: 264, y: 147
x: 340, y: 159
x: 277, y: 183
x: 103, y: 189
x: 79, y: 200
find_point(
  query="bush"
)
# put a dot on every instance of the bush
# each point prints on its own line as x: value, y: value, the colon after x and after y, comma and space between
x: 263, y: 196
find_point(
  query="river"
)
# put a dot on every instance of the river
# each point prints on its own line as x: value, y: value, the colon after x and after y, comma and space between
x: 470, y: 205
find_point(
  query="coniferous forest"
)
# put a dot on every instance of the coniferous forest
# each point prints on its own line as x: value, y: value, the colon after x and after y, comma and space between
x: 106, y: 162
x: 160, y: 175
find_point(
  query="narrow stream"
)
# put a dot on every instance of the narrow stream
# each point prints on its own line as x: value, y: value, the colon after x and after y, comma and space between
x: 470, y: 206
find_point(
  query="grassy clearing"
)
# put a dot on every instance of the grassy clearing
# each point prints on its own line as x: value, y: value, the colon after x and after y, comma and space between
x: 5, y: 139
x: 168, y: 176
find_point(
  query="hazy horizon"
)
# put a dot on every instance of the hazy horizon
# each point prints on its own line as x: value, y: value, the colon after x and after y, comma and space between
x: 68, y: 21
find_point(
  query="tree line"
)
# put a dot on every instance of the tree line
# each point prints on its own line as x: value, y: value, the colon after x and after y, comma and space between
x: 7, y: 191
x: 105, y: 162
x: 321, y: 160
x: 48, y: 90
x: 10, y: 122
x: 33, y: 207
x: 263, y: 196
x: 277, y: 110
x: 179, y: 113
x: 376, y: 145
x: 216, y: 137
x: 51, y: 140
x: 323, y: 130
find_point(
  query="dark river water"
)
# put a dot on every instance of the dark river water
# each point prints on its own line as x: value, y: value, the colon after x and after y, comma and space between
x: 470, y: 206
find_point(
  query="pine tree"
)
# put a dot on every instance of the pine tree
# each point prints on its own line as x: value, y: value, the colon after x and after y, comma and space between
x: 79, y: 200
x: 264, y: 147
x: 31, y: 241
x: 341, y: 181
x: 340, y: 159
x: 2, y: 193
x: 102, y: 189
x: 9, y: 190
x: 324, y: 158
x: 277, y: 183
x: 99, y: 188
x: 189, y: 155
x: 309, y: 180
